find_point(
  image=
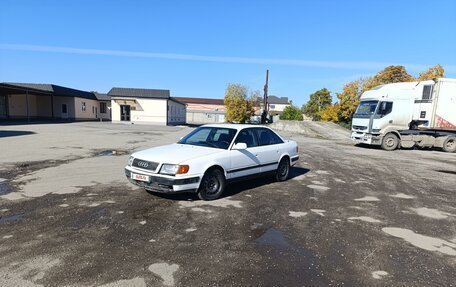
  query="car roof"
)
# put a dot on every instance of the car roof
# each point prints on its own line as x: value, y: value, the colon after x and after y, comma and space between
x: 234, y: 126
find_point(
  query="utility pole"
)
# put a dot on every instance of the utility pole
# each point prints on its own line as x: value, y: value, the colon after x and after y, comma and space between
x: 265, y: 100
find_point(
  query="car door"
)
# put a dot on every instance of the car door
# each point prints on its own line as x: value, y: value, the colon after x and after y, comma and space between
x: 245, y: 162
x: 269, y: 149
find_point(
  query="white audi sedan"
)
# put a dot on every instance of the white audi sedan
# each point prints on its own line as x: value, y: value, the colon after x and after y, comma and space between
x: 207, y: 158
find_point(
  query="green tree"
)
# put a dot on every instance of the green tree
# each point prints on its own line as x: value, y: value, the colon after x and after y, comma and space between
x: 238, y: 107
x: 432, y: 73
x: 291, y: 113
x: 317, y: 102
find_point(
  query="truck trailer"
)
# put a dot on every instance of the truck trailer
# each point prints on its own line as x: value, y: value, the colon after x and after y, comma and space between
x: 409, y: 114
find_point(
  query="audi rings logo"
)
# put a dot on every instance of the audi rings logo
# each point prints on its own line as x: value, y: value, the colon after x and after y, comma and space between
x: 143, y: 164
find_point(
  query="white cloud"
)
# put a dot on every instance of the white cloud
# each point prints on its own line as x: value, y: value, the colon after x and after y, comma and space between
x: 221, y: 59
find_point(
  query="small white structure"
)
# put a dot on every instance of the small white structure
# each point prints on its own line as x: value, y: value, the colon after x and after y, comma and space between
x: 148, y: 106
x: 204, y: 111
x: 276, y: 104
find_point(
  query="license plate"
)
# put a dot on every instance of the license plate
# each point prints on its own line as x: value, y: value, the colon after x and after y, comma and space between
x: 140, y: 177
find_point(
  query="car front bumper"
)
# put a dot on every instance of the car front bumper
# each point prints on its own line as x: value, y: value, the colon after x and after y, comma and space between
x: 164, y: 184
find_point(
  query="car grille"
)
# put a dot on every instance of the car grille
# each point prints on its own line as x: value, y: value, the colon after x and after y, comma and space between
x: 144, y: 164
x: 361, y: 128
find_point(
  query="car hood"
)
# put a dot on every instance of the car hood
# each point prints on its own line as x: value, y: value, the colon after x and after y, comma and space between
x: 174, y: 153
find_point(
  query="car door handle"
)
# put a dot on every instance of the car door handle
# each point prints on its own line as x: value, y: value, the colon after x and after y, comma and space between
x: 256, y: 155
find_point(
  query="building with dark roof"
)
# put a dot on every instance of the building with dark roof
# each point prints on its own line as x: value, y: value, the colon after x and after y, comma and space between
x: 105, y: 105
x: 54, y: 102
x: 146, y: 106
x: 276, y: 105
x: 47, y: 101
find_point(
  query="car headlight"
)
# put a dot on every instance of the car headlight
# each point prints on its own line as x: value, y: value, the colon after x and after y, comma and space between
x: 130, y: 161
x: 173, y: 169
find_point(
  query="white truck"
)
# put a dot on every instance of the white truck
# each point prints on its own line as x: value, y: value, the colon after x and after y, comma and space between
x: 421, y: 114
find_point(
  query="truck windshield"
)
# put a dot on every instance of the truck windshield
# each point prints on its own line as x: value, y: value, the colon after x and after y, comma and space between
x: 366, y: 108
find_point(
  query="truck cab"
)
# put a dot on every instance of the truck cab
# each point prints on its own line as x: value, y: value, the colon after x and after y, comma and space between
x: 383, y: 112
x: 408, y: 114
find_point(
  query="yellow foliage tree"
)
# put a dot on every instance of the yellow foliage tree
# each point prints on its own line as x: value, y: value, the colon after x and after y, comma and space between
x: 330, y: 113
x: 432, y: 73
x: 349, y: 98
x: 391, y: 74
x: 238, y: 107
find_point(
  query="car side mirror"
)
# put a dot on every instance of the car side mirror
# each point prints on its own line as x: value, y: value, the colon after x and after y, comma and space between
x: 239, y: 146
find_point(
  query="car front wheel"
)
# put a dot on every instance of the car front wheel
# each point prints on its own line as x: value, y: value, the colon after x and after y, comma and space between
x: 283, y: 170
x: 212, y: 185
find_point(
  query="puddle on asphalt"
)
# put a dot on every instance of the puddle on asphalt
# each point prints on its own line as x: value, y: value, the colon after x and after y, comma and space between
x: 112, y: 152
x: 100, y: 212
x: 297, y: 263
x: 272, y: 237
x: 11, y: 218
x: 4, y: 188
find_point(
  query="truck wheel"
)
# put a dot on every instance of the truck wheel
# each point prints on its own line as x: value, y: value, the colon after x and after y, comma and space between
x: 449, y: 145
x: 390, y: 142
x: 212, y: 185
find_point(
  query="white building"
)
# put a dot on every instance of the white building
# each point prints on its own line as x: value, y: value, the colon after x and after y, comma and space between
x: 204, y: 111
x: 277, y: 104
x: 148, y: 106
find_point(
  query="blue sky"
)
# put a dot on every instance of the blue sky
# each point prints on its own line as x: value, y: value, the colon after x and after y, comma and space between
x: 194, y: 48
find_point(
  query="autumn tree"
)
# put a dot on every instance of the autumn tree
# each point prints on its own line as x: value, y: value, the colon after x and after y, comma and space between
x: 238, y: 107
x: 349, y: 99
x: 432, y: 73
x: 291, y: 113
x: 391, y: 74
x: 331, y: 113
x: 317, y: 102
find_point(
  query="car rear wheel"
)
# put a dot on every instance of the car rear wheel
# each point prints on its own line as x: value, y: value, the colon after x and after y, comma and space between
x: 212, y: 185
x: 283, y: 170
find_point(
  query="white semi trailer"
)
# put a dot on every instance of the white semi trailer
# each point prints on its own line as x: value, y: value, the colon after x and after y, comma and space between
x: 408, y: 114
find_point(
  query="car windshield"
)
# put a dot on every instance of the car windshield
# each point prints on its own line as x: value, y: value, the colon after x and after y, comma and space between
x: 366, y: 108
x: 215, y: 137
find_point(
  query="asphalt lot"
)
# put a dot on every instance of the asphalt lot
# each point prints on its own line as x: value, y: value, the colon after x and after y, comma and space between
x: 349, y: 216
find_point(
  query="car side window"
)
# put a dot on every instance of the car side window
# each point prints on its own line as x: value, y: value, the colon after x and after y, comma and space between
x: 248, y: 137
x: 267, y: 137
